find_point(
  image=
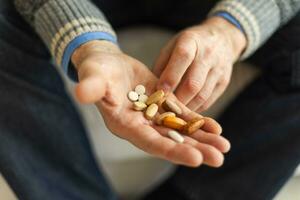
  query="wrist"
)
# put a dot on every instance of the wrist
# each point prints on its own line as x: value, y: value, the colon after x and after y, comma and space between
x: 233, y: 34
x: 94, y: 46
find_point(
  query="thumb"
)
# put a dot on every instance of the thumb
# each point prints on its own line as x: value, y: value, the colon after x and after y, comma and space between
x: 92, y: 85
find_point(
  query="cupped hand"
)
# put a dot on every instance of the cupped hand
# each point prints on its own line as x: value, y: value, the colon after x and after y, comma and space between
x: 106, y: 75
x: 197, y: 62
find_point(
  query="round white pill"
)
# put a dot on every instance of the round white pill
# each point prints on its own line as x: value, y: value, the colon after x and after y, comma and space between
x: 140, y: 89
x: 176, y: 136
x: 143, y: 98
x: 133, y: 96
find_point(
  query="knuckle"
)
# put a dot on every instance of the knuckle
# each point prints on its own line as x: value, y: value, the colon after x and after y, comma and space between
x: 171, y: 81
x: 206, y: 63
x: 217, y: 71
x: 183, y: 52
x: 201, y: 97
x: 193, y: 85
x: 188, y: 34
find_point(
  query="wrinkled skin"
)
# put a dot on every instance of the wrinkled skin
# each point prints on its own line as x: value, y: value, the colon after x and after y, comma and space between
x: 197, y: 62
x: 106, y: 75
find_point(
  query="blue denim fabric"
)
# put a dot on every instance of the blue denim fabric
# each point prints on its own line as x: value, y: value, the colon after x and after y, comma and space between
x: 44, y: 150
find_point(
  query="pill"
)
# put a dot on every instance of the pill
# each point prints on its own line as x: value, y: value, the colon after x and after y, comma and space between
x: 176, y: 136
x: 169, y: 105
x: 140, y: 89
x: 139, y: 106
x: 143, y: 98
x: 174, y: 123
x: 151, y: 111
x: 161, y: 117
x: 161, y: 101
x: 193, y: 125
x: 133, y: 96
x: 155, y: 97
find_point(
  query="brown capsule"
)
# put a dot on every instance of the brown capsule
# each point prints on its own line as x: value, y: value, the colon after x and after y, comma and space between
x: 155, y: 97
x: 169, y: 105
x: 193, y: 125
x: 174, y: 123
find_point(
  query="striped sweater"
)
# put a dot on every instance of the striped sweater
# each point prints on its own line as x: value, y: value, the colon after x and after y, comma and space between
x: 66, y: 24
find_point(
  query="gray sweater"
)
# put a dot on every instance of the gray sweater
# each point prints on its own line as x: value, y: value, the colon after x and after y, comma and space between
x: 58, y: 22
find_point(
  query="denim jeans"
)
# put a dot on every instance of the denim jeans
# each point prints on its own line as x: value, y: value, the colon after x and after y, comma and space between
x: 44, y: 150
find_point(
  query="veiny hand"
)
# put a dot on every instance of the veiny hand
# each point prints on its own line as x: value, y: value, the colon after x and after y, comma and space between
x: 106, y: 75
x: 197, y: 63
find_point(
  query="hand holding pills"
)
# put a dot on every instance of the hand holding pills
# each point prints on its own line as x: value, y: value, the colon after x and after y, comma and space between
x: 197, y: 62
x: 168, y: 117
x: 107, y: 77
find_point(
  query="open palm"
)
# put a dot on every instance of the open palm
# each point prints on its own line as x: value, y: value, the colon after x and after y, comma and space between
x: 105, y: 79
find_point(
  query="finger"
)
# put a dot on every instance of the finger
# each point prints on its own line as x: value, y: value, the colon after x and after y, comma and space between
x: 217, y: 141
x: 148, y: 139
x: 193, y: 81
x: 218, y: 91
x: 181, y: 58
x: 91, y: 87
x: 201, y: 136
x: 211, y: 155
x: 211, y: 126
x: 163, y: 58
x: 206, y: 91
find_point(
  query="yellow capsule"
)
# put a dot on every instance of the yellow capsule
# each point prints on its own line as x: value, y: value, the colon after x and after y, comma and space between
x: 151, y: 111
x: 155, y: 97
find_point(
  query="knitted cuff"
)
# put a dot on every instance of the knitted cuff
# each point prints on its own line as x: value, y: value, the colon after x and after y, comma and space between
x: 60, y: 22
x: 258, y: 19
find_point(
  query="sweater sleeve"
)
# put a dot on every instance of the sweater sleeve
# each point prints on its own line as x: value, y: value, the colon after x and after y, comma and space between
x: 65, y: 24
x: 258, y: 18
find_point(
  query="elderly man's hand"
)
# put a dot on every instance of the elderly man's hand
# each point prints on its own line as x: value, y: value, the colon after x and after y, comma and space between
x: 197, y: 63
x: 106, y: 75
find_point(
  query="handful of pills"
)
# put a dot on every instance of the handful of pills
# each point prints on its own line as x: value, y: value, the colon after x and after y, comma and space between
x: 150, y: 105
